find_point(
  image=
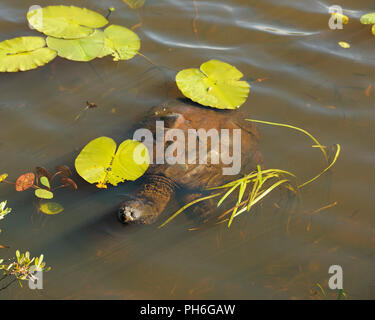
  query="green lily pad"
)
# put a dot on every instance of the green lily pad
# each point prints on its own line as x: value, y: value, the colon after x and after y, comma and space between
x: 217, y: 84
x: 43, y: 194
x: 120, y: 42
x: 51, y: 208
x: 99, y: 162
x: 24, y: 53
x: 84, y: 49
x: 368, y: 18
x: 67, y: 22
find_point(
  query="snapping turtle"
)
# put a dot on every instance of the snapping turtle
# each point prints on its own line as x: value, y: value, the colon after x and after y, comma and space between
x: 192, y: 174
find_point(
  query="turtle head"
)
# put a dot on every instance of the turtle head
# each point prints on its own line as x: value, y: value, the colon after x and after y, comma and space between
x: 136, y: 211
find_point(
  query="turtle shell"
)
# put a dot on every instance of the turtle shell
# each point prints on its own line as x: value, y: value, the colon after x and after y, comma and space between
x: 192, y: 170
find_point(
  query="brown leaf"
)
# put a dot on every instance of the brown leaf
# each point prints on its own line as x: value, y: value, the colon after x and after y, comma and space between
x: 25, y: 182
x: 368, y: 90
x: 65, y: 170
x: 43, y: 172
x: 69, y: 183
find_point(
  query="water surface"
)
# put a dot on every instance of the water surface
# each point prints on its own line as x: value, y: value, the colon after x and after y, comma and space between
x: 308, y: 81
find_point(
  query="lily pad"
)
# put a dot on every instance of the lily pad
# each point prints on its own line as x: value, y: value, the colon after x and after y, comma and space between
x: 120, y: 42
x: 51, y: 208
x: 368, y: 18
x: 43, y: 194
x: 84, y: 49
x: 67, y: 22
x: 217, y: 84
x: 24, y: 53
x: 99, y: 162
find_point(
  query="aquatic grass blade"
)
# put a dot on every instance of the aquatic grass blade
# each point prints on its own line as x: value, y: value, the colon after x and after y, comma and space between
x: 321, y: 147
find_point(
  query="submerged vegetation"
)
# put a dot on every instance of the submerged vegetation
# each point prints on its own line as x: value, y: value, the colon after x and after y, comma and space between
x: 42, y: 184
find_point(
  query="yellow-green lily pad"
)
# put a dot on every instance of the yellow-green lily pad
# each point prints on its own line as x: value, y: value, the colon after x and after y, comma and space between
x: 84, y: 49
x: 67, y: 22
x: 120, y: 42
x: 368, y: 18
x: 51, y: 208
x: 216, y: 84
x: 99, y: 162
x: 24, y: 53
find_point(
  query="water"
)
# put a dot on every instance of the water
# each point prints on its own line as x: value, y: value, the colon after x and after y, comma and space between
x: 272, y: 253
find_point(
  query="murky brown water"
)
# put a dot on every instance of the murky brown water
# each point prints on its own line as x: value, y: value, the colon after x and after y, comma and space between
x: 310, y: 82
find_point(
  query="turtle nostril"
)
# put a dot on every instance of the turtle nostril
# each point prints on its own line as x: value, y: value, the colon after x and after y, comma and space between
x: 123, y: 218
x: 122, y: 215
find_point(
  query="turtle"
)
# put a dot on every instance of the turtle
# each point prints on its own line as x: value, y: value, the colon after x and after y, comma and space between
x: 162, y: 180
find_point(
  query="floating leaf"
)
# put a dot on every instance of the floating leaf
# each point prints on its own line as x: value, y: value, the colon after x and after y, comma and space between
x: 84, y: 49
x: 67, y: 22
x: 368, y: 18
x: 43, y: 194
x: 45, y: 182
x: 217, y: 84
x: 99, y: 162
x: 69, y: 183
x: 3, y: 177
x: 344, y: 44
x: 24, y: 53
x: 51, y: 208
x: 373, y: 29
x: 25, y: 182
x: 135, y: 4
x: 65, y: 170
x: 43, y: 172
x: 120, y: 42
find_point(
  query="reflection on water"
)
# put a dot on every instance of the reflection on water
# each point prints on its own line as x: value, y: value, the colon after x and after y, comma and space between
x: 272, y: 253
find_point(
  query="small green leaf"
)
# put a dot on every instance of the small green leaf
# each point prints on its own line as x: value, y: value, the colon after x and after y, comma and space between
x: 44, y: 194
x: 45, y: 182
x: 51, y: 208
x: 3, y: 177
x: 216, y: 84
